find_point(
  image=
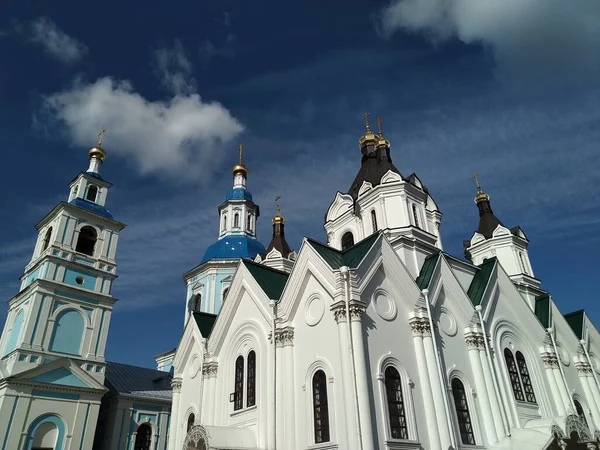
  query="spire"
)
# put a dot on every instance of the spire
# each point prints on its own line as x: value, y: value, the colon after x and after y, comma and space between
x: 240, y: 167
x: 368, y: 138
x: 487, y: 220
x: 278, y: 241
x: 97, y: 154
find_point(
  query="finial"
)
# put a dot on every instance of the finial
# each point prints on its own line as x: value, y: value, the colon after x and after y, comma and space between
x: 481, y: 196
x: 240, y: 151
x: 366, y: 117
x: 277, y: 210
x: 476, y: 178
x: 101, y: 136
x: 379, y: 120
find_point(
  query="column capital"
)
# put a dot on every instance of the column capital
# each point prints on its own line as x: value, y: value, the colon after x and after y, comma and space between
x: 176, y: 385
x: 356, y: 311
x: 210, y: 369
x: 339, y: 312
x: 475, y: 340
x: 583, y: 368
x: 550, y: 360
x: 284, y: 337
x: 420, y: 326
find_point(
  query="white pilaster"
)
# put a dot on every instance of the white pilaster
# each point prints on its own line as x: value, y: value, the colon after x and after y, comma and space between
x: 280, y: 437
x: 585, y: 376
x: 436, y: 389
x: 562, y: 389
x: 419, y: 327
x: 175, y: 419
x: 550, y: 362
x: 288, y: 357
x: 491, y: 392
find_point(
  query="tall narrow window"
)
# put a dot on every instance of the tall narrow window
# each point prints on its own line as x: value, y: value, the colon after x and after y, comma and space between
x: 374, y: 220
x: 92, y: 193
x: 224, y: 222
x: 251, y: 380
x: 225, y: 292
x: 190, y: 423
x: 395, y: 402
x: 236, y: 220
x: 86, y: 240
x: 320, y: 407
x: 197, y: 302
x: 415, y: 216
x: 523, y: 266
x: 513, y: 373
x: 249, y: 223
x: 347, y: 240
x: 580, y: 412
x: 238, y: 398
x: 143, y: 438
x: 525, y: 378
x: 461, y: 405
x: 47, y: 239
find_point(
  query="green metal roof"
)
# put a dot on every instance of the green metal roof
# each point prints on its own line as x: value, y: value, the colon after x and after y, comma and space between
x: 543, y: 310
x: 271, y: 281
x: 350, y: 257
x: 205, y: 322
x: 576, y: 320
x: 480, y: 281
x: 427, y: 269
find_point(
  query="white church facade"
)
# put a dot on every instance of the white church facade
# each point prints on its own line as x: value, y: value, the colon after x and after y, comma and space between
x: 379, y: 339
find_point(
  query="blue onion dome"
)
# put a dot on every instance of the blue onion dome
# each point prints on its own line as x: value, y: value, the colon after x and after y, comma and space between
x: 233, y: 247
x: 238, y: 194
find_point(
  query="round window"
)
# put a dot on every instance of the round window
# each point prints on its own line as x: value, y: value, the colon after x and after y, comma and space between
x: 79, y: 280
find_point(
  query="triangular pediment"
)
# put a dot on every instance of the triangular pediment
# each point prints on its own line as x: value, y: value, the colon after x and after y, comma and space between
x: 61, y: 372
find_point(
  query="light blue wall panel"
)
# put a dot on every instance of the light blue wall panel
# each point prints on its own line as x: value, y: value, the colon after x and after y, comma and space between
x: 68, y: 333
x: 60, y: 376
x: 15, y: 332
x: 31, y: 277
x: 72, y: 276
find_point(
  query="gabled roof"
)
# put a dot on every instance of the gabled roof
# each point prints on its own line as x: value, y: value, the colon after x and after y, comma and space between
x: 205, y: 322
x: 427, y: 269
x: 140, y: 381
x: 372, y: 170
x: 350, y: 257
x: 271, y: 281
x: 543, y: 310
x: 480, y: 280
x: 576, y: 321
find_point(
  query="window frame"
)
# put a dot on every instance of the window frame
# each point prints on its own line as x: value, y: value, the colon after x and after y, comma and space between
x: 415, y: 215
x: 525, y: 377
x: 190, y: 426
x: 465, y: 410
x: 374, y: 221
x: 318, y: 407
x: 251, y: 379
x: 236, y: 220
x: 150, y: 436
x: 402, y: 404
x: 343, y: 240
x: 92, y: 188
x: 514, y: 377
x: 238, y: 389
x: 95, y: 234
x: 46, y: 240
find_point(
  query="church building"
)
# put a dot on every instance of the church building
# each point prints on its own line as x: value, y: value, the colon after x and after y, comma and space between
x: 378, y: 339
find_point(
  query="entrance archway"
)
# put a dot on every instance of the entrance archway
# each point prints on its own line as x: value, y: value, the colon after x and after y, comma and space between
x: 196, y: 439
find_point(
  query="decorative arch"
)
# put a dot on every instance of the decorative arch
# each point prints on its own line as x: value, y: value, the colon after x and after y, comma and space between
x: 582, y: 410
x: 406, y: 386
x: 476, y: 426
x: 143, y: 437
x: 190, y: 422
x: 67, y: 336
x: 86, y: 241
x: 236, y: 220
x: 15, y: 332
x: 49, y: 430
x: 320, y: 406
x: 196, y: 439
x: 462, y: 412
x: 324, y: 367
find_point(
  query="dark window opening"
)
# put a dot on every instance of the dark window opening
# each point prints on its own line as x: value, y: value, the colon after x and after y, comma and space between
x: 415, y: 216
x: 580, y: 412
x: 86, y: 241
x: 92, y: 193
x: 347, y: 240
x: 463, y: 416
x: 525, y: 378
x: 143, y: 439
x: 224, y: 221
x: 236, y: 220
x: 251, y: 382
x: 395, y: 402
x: 249, y: 223
x: 374, y: 220
x: 513, y: 374
x: 47, y: 239
x: 238, y: 399
x: 225, y: 292
x: 190, y: 422
x: 320, y: 407
x: 197, y: 302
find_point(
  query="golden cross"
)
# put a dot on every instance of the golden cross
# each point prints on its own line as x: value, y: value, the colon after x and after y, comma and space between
x: 101, y: 136
x: 241, y: 150
x: 277, y: 212
x: 366, y: 116
x: 475, y: 175
x: 379, y: 120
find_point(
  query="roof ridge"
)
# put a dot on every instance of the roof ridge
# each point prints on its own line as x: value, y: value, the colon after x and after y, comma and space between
x: 262, y: 266
x: 131, y: 365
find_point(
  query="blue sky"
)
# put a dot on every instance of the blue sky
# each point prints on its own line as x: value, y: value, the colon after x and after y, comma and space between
x: 508, y: 89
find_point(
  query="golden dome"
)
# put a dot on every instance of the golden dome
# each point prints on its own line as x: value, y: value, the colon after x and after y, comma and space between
x: 278, y: 217
x: 240, y: 168
x: 481, y: 196
x: 368, y: 137
x: 97, y: 152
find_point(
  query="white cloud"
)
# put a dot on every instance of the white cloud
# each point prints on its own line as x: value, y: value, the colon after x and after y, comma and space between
x: 181, y: 137
x: 56, y: 42
x: 525, y: 36
x: 175, y: 69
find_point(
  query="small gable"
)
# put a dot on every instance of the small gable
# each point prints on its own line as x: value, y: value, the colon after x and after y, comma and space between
x: 271, y: 281
x: 576, y: 320
x: 205, y: 322
x: 350, y: 257
x: 62, y: 375
x: 481, y: 280
x: 427, y: 270
x: 543, y: 309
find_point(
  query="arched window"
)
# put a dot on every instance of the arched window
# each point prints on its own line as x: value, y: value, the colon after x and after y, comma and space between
x: 525, y: 378
x: 395, y: 402
x: 197, y: 302
x: 224, y: 222
x: 92, y: 193
x: 523, y: 266
x: 68, y: 333
x: 47, y: 239
x: 347, y: 240
x: 45, y: 436
x: 87, y: 240
x: 513, y: 373
x: 249, y: 223
x: 190, y: 423
x: 320, y: 407
x: 143, y: 439
x: 251, y: 380
x: 580, y: 412
x: 374, y: 220
x: 238, y: 395
x: 463, y: 416
x: 236, y: 220
x: 415, y: 215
